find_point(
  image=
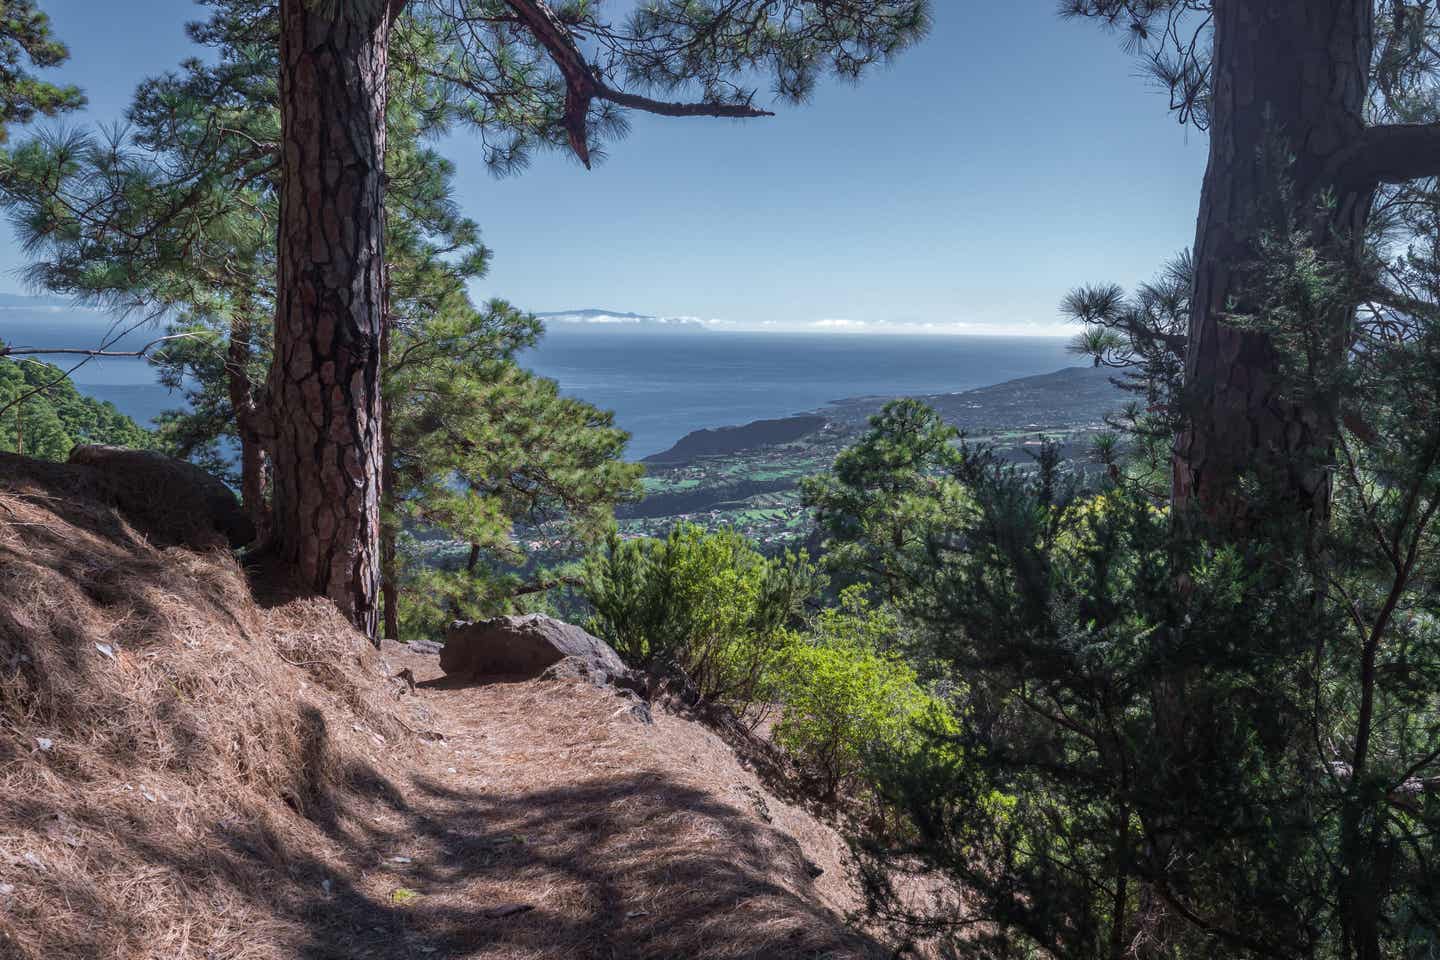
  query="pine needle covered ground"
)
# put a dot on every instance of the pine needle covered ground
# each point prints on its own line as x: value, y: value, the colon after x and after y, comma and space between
x: 186, y: 773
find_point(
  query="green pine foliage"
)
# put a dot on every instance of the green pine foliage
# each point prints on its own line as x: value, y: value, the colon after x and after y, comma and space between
x: 1054, y: 606
x: 1165, y: 737
x: 43, y: 415
x: 1142, y: 337
x: 481, y: 445
x: 887, y: 493
x: 26, y: 43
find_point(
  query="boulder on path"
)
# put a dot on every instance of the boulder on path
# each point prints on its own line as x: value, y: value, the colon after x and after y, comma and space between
x: 174, y: 502
x: 525, y: 646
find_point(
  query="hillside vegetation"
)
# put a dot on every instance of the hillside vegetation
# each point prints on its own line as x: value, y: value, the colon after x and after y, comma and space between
x: 43, y: 415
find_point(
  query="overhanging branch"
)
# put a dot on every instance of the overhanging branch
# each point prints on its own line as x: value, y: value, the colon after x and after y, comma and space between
x: 582, y: 86
x: 1391, y: 153
x: 8, y: 351
x: 666, y: 108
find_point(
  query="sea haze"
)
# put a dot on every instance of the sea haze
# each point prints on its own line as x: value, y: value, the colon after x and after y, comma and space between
x: 661, y: 383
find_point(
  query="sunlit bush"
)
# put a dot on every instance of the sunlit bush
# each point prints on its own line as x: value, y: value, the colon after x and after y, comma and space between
x: 705, y: 603
x: 847, y: 699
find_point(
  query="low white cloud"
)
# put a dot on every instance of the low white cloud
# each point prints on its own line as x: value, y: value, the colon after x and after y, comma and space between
x: 916, y: 326
x: 598, y: 318
x: 899, y: 326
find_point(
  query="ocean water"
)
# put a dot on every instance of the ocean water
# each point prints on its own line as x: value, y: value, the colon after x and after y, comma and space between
x: 664, y: 384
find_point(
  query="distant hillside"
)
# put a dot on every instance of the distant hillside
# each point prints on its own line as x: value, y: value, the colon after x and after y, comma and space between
x: 748, y: 477
x: 591, y: 317
x: 1071, y: 397
x: 723, y: 440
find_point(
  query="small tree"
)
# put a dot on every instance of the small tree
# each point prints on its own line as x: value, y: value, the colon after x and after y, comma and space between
x: 849, y: 699
x: 480, y: 445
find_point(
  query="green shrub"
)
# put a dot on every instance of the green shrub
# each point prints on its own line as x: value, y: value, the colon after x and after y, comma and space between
x: 706, y: 603
x: 847, y: 699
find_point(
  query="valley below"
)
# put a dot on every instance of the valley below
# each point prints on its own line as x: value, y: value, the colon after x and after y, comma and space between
x: 748, y: 477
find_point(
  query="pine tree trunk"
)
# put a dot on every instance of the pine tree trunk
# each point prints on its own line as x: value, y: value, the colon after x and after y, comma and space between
x: 1290, y: 86
x: 1290, y: 77
x: 325, y: 380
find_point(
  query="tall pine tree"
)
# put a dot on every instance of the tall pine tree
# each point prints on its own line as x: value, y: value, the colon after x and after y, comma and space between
x: 180, y: 218
x: 324, y: 383
x: 1311, y: 110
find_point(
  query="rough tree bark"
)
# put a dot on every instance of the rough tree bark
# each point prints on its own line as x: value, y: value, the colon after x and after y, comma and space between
x: 325, y: 380
x: 1290, y: 77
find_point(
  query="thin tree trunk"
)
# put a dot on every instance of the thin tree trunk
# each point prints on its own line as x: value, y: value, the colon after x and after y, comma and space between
x: 1121, y: 900
x: 1290, y: 81
x: 253, y: 482
x: 254, y: 461
x: 325, y: 389
x: 389, y: 523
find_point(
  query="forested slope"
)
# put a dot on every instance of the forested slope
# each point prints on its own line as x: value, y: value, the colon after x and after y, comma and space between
x: 43, y: 415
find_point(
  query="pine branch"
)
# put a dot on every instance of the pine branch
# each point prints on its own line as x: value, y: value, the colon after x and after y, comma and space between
x: 9, y: 351
x: 1391, y: 153
x: 667, y: 108
x: 88, y: 355
x: 583, y: 86
x: 542, y: 586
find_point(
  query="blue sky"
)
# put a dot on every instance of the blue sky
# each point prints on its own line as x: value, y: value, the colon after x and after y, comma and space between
x: 966, y: 187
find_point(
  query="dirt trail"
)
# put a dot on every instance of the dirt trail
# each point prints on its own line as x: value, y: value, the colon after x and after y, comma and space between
x: 551, y: 822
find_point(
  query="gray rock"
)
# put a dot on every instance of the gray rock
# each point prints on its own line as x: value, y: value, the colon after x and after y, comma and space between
x: 525, y: 646
x: 172, y: 501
